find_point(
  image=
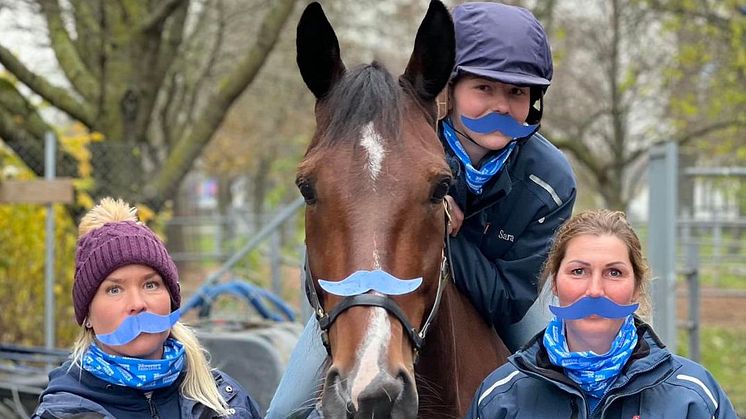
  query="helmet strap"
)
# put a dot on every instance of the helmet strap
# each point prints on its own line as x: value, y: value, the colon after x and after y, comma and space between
x: 536, y: 109
x: 442, y: 101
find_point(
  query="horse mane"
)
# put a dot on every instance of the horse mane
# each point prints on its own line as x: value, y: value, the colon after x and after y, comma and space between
x: 364, y: 94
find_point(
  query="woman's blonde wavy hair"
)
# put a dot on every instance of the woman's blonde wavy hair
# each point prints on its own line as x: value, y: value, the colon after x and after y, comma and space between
x: 199, y: 384
x: 601, y: 222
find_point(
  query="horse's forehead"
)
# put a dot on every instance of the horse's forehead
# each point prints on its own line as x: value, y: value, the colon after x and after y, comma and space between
x: 378, y: 147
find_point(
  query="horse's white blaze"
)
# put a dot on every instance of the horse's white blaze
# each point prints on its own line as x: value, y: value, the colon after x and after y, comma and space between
x: 369, y: 353
x: 373, y: 143
x: 376, y: 256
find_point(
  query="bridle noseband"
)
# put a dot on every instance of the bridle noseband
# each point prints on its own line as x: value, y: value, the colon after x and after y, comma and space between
x: 417, y: 337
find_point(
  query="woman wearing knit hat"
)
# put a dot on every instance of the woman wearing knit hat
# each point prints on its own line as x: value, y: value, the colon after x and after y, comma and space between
x: 133, y: 359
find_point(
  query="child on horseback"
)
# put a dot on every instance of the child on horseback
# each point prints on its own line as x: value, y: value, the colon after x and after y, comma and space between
x: 513, y: 188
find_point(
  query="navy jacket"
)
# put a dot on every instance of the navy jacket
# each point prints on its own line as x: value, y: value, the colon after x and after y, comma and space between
x: 653, y: 384
x: 499, y: 251
x: 78, y: 392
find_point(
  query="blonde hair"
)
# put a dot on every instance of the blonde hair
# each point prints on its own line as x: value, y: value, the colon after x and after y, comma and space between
x: 199, y: 384
x: 601, y: 222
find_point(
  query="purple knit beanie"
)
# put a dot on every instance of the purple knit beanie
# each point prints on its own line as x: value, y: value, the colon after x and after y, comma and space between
x: 111, y: 246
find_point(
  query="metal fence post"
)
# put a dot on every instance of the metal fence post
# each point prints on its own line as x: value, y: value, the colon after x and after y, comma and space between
x: 274, y: 260
x: 662, y: 173
x: 717, y: 245
x: 49, y: 173
x: 692, y: 278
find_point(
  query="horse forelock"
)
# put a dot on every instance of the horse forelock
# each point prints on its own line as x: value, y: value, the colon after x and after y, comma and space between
x: 367, y: 94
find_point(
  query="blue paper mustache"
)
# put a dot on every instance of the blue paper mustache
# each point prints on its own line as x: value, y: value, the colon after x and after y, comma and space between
x: 133, y: 326
x: 494, y: 121
x: 361, y: 282
x: 588, y: 306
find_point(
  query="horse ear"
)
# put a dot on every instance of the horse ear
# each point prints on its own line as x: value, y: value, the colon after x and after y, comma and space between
x: 432, y: 59
x: 317, y: 51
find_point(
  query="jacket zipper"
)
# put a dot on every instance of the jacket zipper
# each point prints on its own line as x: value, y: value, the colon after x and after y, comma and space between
x: 153, y: 411
x: 617, y: 396
x: 612, y: 398
x: 574, y: 407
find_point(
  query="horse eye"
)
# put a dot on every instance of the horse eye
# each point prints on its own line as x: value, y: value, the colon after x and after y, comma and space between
x: 440, y: 191
x: 307, y: 191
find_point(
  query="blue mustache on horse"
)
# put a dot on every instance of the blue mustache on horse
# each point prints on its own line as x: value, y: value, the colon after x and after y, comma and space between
x: 361, y: 282
x: 494, y: 121
x: 133, y: 326
x: 588, y: 306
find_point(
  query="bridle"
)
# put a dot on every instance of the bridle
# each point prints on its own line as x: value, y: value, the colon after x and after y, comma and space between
x: 417, y: 337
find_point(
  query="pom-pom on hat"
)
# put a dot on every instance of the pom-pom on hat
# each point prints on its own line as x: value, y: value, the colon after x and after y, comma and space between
x: 110, y: 237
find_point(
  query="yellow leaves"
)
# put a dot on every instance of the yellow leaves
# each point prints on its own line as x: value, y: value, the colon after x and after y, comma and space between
x: 22, y: 274
x: 75, y: 140
x: 84, y: 200
x: 686, y: 105
x: 145, y: 213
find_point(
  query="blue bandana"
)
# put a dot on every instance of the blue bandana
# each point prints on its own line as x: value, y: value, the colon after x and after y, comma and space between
x: 593, y: 373
x: 476, y: 178
x: 141, y: 374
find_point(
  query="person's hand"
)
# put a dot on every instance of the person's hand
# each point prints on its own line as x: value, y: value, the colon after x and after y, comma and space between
x: 457, y: 216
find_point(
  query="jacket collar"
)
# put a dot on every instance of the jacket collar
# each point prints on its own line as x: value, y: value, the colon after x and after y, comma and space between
x: 649, y: 354
x: 86, y: 385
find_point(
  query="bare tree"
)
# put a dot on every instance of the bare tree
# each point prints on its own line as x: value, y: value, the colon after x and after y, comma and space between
x: 148, y: 76
x: 610, y: 100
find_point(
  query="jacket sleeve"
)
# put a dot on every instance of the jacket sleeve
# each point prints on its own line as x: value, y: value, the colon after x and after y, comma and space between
x: 502, y: 290
x: 725, y: 409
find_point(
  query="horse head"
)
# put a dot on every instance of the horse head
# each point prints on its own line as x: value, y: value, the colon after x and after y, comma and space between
x: 374, y: 179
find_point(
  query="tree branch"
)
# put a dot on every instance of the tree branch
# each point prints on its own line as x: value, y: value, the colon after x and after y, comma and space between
x: 86, y: 23
x: 22, y: 129
x: 160, y: 14
x: 188, y: 148
x: 581, y: 153
x: 685, y: 138
x: 707, y: 129
x: 684, y: 11
x: 66, y: 53
x: 57, y: 96
x: 209, y: 65
x: 181, y: 78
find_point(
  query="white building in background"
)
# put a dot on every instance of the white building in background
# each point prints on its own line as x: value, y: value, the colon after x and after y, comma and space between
x: 718, y: 193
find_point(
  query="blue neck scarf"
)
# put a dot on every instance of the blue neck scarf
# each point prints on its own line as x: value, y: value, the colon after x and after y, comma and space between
x: 592, y: 372
x: 141, y: 374
x: 476, y: 178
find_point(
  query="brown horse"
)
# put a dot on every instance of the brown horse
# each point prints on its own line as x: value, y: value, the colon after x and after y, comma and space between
x: 374, y: 178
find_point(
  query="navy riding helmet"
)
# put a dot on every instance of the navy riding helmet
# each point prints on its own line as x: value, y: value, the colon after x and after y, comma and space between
x: 503, y: 43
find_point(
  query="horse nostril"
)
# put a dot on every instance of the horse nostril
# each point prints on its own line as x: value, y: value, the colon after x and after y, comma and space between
x: 336, y: 401
x: 351, y: 411
x: 380, y: 396
x: 405, y: 378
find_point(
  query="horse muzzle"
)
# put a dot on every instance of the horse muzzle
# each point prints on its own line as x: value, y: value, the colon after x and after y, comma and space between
x: 386, y: 396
